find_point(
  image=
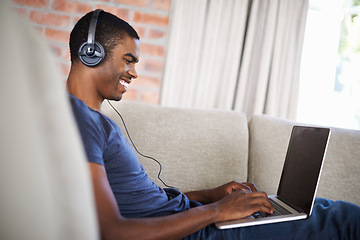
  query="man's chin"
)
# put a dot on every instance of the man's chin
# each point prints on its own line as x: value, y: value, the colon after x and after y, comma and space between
x: 119, y: 98
x: 115, y: 98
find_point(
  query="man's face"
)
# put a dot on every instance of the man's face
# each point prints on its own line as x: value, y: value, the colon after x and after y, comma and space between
x: 117, y: 72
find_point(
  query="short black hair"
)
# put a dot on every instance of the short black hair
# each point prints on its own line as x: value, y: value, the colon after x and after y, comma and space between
x: 109, y: 30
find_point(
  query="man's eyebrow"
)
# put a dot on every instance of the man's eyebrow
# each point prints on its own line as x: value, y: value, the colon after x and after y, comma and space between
x: 134, y: 59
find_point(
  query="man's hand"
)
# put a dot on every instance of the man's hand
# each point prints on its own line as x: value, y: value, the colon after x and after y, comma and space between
x: 216, y: 194
x: 234, y: 200
x: 242, y: 203
x: 219, y: 193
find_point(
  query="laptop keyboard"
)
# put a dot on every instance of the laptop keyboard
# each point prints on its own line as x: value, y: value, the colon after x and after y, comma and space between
x: 278, y: 211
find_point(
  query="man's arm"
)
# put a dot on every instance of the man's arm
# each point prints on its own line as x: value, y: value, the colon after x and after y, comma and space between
x: 113, y: 226
x: 215, y: 194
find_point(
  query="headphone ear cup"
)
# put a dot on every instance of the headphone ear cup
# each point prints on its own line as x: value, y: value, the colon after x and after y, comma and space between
x: 93, y: 59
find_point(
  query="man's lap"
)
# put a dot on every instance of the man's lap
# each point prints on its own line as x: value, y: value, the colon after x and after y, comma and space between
x: 329, y: 220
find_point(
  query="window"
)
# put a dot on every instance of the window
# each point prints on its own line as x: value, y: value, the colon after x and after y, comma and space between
x: 330, y: 73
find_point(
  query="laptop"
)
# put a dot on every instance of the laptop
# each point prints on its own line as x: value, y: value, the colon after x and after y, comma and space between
x: 299, y: 179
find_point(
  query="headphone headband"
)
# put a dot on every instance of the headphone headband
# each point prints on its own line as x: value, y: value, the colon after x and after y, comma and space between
x: 92, y: 27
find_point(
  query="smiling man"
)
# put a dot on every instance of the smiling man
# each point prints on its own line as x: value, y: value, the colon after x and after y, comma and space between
x: 130, y: 205
x: 111, y: 79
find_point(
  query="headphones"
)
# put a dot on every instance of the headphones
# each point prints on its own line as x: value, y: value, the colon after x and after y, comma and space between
x: 91, y: 53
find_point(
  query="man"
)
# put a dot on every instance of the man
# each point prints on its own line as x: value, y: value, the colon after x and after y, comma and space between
x: 129, y: 204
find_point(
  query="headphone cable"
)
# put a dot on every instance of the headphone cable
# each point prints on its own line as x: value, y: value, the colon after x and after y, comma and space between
x: 145, y: 156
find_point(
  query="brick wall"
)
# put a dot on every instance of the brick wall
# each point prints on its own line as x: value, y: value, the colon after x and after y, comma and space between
x: 54, y: 20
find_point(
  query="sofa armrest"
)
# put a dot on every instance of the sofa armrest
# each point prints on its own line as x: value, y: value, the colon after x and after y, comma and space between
x: 198, y: 149
x: 269, y: 139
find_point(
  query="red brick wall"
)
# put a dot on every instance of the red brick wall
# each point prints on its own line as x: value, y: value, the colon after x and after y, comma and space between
x: 54, y: 20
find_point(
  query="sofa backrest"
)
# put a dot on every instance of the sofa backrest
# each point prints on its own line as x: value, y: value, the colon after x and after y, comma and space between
x: 268, y: 143
x: 198, y: 149
x: 267, y: 149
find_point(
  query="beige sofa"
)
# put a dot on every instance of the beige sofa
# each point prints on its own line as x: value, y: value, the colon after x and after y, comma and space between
x: 205, y: 148
x: 45, y: 185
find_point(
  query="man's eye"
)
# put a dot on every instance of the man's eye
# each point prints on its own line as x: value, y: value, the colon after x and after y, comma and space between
x: 127, y: 61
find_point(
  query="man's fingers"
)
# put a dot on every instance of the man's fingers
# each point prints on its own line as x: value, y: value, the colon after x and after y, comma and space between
x: 243, y: 203
x: 260, y: 202
x: 250, y: 185
x: 264, y: 208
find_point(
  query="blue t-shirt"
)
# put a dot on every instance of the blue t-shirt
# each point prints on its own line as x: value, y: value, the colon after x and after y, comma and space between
x: 136, y: 194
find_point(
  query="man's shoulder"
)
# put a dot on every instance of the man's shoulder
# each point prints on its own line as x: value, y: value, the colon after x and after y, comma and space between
x: 80, y: 109
x: 89, y: 118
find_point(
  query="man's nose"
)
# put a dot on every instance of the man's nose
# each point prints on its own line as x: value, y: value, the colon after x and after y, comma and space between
x: 132, y: 72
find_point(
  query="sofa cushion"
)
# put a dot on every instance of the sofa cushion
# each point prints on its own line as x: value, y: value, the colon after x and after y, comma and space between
x: 269, y: 139
x: 198, y: 149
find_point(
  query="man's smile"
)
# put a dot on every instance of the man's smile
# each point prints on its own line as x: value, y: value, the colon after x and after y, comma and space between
x: 125, y: 83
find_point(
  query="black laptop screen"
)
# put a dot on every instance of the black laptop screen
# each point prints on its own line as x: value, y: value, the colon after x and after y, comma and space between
x: 302, y: 166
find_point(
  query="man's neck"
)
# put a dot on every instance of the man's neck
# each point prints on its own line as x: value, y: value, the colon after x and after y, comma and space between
x: 85, y: 92
x: 96, y: 105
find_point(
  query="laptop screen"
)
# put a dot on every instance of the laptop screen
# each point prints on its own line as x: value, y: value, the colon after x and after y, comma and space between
x: 302, y: 167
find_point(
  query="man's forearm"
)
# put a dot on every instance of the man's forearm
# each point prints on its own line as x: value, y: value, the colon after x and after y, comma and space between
x: 202, y: 196
x: 175, y: 226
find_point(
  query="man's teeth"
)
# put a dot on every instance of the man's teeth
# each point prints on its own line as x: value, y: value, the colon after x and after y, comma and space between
x: 125, y: 84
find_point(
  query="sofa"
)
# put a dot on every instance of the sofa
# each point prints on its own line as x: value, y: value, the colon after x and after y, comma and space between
x: 45, y: 186
x: 201, y: 149
x: 46, y: 190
